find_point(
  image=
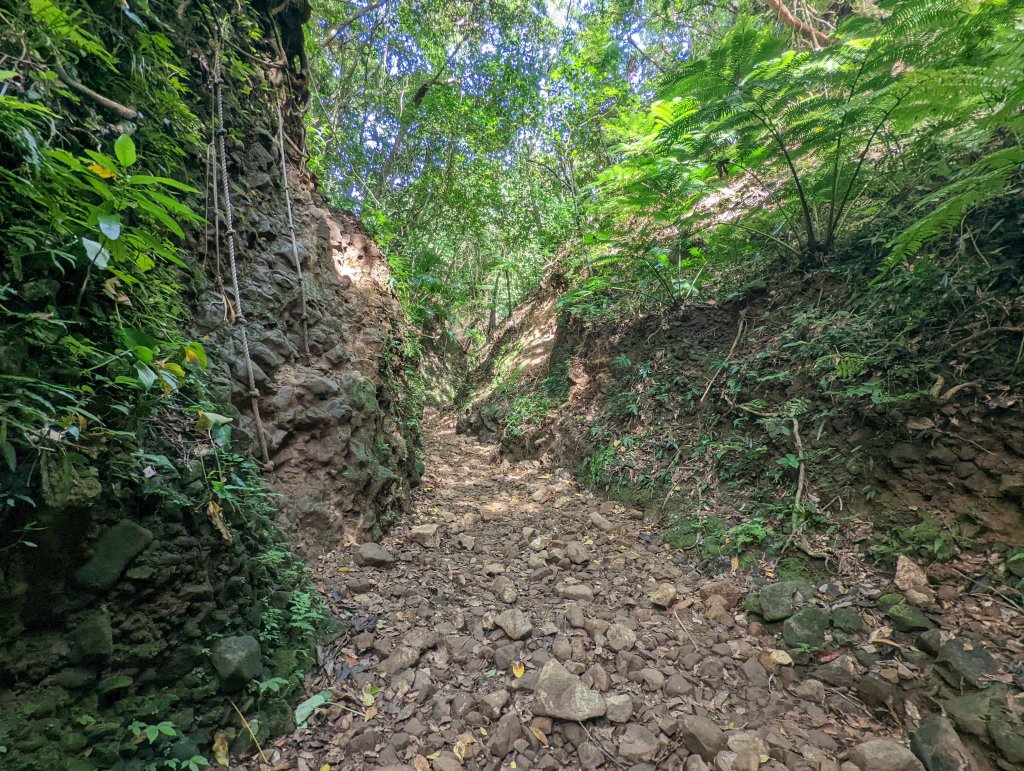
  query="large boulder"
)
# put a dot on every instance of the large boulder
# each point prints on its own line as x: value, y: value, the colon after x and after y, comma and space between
x: 781, y: 600
x: 92, y: 641
x: 113, y: 553
x: 237, y: 660
x: 883, y: 755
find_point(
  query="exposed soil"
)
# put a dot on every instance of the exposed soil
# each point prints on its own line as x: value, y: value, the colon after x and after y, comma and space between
x: 505, y: 568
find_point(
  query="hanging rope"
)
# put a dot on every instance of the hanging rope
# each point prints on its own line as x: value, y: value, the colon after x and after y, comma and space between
x: 291, y: 227
x: 229, y: 216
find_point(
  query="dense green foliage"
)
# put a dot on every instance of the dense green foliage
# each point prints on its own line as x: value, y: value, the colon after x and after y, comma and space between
x: 648, y: 143
x: 107, y: 414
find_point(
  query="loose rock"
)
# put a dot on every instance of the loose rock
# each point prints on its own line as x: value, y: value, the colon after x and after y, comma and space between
x: 514, y: 623
x: 426, y: 535
x: 373, y: 555
x: 562, y: 695
x: 664, y: 596
x: 883, y: 755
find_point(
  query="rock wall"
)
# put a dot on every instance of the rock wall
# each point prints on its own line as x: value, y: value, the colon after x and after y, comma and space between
x: 146, y: 602
x: 340, y: 423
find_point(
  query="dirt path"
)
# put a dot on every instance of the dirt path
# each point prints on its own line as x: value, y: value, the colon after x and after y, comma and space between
x: 539, y: 600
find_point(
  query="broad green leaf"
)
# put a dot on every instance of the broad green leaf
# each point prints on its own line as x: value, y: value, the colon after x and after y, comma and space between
x: 124, y: 149
x: 143, y: 354
x: 134, y: 337
x: 208, y: 420
x: 146, y: 179
x: 306, y: 708
x: 146, y: 376
x: 96, y: 253
x: 110, y: 226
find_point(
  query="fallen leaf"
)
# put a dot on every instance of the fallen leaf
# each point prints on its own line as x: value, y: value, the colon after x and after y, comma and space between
x: 101, y: 171
x: 216, y: 514
x: 518, y: 669
x: 220, y: 749
x: 540, y: 735
x: 370, y: 714
x: 325, y: 767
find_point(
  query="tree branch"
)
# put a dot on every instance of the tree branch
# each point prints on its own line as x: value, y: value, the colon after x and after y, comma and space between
x: 333, y: 34
x: 805, y: 30
x: 128, y: 113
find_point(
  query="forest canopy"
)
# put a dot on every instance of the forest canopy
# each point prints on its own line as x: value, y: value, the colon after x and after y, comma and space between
x: 638, y: 144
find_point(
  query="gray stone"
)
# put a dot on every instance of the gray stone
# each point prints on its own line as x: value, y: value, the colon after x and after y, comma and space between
x: 677, y: 685
x: 937, y: 746
x: 638, y: 743
x: 620, y: 637
x: 505, y: 589
x: 504, y: 735
x: 492, y: 704
x: 576, y: 592
x: 426, y: 535
x: 504, y: 655
x: 113, y: 553
x: 236, y: 661
x: 664, y: 596
x: 373, y: 555
x: 591, y: 757
x: 402, y: 657
x: 619, y: 708
x: 841, y: 671
x: 446, y: 761
x: 601, y: 522
x: 779, y: 600
x: 973, y: 711
x: 514, y: 623
x: 701, y: 736
x: 806, y: 627
x: 907, y: 618
x: 883, y: 755
x: 962, y: 662
x: 92, y: 641
x: 577, y: 553
x: 1009, y: 740
x: 561, y: 694
x: 848, y: 620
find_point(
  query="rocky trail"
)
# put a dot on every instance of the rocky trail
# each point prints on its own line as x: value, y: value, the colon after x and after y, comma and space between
x: 517, y: 621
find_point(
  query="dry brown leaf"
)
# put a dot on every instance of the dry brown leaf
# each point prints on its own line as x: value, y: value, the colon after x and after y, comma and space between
x: 216, y: 514
x: 370, y: 714
x: 540, y: 735
x: 220, y: 749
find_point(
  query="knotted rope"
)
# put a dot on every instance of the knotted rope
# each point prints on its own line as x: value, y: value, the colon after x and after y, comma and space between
x: 229, y: 217
x: 291, y: 227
